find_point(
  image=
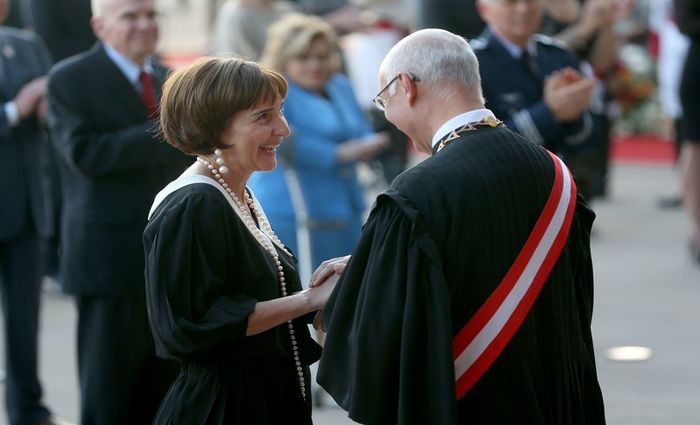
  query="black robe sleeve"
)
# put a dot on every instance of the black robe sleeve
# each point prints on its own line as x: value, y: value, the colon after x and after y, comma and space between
x: 389, y: 328
x: 191, y: 307
x: 687, y: 15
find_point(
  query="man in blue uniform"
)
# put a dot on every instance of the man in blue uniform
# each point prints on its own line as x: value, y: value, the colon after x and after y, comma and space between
x: 533, y: 83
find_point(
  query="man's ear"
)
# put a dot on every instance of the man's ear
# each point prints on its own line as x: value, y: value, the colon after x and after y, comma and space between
x: 409, y: 86
x: 97, y: 24
x: 482, y: 9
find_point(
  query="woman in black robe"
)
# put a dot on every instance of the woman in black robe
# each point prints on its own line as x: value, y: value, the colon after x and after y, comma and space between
x: 224, y: 297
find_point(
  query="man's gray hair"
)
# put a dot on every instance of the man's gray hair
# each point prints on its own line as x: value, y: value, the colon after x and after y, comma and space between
x: 98, y: 7
x: 435, y: 56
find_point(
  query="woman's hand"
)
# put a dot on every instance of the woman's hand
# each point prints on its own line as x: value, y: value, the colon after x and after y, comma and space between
x: 271, y: 313
x: 362, y: 149
x: 325, y: 277
x: 318, y: 295
x: 327, y: 286
x: 327, y: 269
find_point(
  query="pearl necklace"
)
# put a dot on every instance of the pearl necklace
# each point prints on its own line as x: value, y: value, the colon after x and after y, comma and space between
x: 267, y: 239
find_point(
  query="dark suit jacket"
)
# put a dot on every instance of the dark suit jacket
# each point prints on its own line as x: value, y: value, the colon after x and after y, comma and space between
x: 113, y: 165
x: 64, y: 25
x: 24, y: 187
x: 516, y: 98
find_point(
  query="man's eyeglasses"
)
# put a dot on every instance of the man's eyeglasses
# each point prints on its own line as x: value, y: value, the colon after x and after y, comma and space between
x: 379, y: 101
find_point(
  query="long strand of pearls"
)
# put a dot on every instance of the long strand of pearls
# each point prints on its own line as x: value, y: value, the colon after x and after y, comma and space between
x: 266, y: 238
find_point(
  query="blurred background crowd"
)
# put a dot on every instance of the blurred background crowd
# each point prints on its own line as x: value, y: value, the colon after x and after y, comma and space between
x: 631, y: 54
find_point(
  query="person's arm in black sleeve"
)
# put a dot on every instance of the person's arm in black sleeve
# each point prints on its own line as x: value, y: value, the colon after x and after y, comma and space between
x: 389, y: 327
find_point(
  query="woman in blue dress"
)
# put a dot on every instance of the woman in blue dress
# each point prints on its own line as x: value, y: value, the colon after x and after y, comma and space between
x: 315, y: 185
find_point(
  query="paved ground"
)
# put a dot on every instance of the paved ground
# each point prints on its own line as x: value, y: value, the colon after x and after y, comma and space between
x: 647, y: 292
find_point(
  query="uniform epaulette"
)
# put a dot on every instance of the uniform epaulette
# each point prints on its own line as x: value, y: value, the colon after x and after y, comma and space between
x: 18, y: 33
x: 549, y: 41
x: 478, y: 43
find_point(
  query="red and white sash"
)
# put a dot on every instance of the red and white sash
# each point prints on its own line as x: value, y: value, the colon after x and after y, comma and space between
x: 477, y: 345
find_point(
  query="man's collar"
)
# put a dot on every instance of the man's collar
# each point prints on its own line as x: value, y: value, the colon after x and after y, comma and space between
x: 514, y: 50
x: 128, y: 67
x: 458, y: 121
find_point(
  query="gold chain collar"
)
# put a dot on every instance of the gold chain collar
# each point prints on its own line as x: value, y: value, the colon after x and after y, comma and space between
x: 489, y: 121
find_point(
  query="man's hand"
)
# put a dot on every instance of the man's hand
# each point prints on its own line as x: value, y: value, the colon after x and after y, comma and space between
x: 319, y: 325
x: 29, y: 96
x: 567, y: 94
x: 327, y: 269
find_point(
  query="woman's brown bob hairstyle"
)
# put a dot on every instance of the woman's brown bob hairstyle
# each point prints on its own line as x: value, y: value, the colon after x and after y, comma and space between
x: 200, y: 99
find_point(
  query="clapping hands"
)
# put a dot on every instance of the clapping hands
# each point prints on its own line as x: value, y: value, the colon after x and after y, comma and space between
x: 31, y: 98
x: 567, y: 94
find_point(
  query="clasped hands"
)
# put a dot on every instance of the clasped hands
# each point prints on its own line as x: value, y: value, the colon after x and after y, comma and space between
x: 567, y: 94
x: 323, y: 281
x: 32, y: 98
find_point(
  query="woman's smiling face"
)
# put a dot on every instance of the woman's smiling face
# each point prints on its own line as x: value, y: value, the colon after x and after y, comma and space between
x: 253, y: 136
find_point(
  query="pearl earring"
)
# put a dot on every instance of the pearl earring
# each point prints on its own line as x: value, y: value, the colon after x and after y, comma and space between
x: 223, y: 169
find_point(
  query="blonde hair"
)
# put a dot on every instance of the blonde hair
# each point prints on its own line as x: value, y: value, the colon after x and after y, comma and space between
x: 291, y: 37
x: 200, y: 100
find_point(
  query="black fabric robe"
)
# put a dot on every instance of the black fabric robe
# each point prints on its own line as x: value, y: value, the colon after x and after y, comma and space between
x: 435, y: 246
x: 204, y: 272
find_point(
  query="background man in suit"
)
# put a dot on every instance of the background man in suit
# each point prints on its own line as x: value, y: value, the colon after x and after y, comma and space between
x: 536, y: 85
x: 25, y: 216
x: 102, y: 103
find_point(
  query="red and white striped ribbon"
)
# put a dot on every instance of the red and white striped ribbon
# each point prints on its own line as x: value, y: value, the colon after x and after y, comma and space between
x: 477, y: 345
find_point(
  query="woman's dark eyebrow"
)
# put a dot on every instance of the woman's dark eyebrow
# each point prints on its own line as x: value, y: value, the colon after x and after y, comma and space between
x: 261, y: 112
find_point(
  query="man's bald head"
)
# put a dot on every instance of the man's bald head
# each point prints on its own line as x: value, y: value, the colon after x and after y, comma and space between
x: 437, y: 57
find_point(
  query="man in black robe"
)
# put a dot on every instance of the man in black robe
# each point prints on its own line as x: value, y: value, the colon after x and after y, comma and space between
x: 436, y: 252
